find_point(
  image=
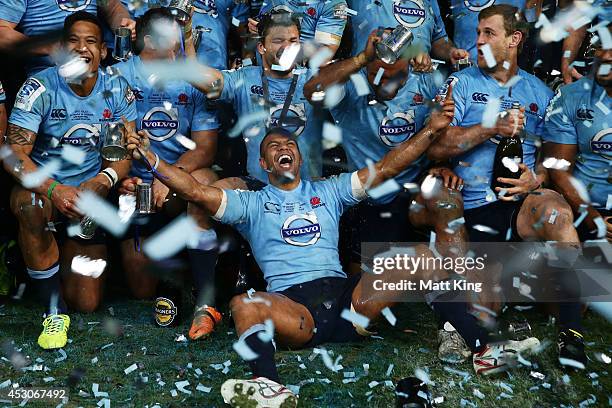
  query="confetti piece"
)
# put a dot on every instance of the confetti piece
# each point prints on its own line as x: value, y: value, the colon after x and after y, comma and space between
x: 378, y: 76
x: 331, y: 365
x: 478, y: 394
x: 463, y: 374
x: 388, y: 187
x: 202, y: 388
x: 361, y: 85
x: 173, y: 393
x: 40, y: 175
x: 268, y: 334
x: 556, y: 164
x: 428, y: 186
x: 245, y: 121
x: 355, y: 318
x: 73, y: 154
x: 95, y: 388
x: 180, y: 233
x: 490, y: 114
x: 130, y: 369
x: 389, y: 370
x: 580, y: 189
x: 572, y: 363
x: 180, y: 385
x: 287, y: 59
x: 422, y: 375
x: 601, y: 227
x: 488, y: 55
x: 94, y: 360
x: 62, y: 356
x: 332, y: 133
x: 186, y: 142
x: 85, y: 266
x: 609, y: 202
x: 388, y: 314
x: 103, y: 213
x: 106, y: 346
x: 485, y: 229
x: 235, y: 22
x: 333, y: 95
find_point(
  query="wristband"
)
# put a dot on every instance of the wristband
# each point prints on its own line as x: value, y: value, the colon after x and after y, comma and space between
x: 112, y: 175
x: 51, y: 188
x: 154, y: 167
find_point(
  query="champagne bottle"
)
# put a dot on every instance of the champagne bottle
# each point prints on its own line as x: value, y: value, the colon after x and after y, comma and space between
x: 509, y: 151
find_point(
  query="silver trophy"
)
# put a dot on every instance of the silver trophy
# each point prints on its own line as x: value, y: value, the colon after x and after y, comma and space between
x: 144, y: 199
x: 123, y: 44
x: 113, y: 147
x: 87, y: 228
x: 462, y: 63
x: 181, y: 9
x: 390, y: 49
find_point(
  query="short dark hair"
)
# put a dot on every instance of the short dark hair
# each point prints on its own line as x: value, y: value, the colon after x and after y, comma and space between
x: 81, y: 16
x: 274, y: 131
x: 514, y: 20
x: 145, y: 23
x: 276, y: 18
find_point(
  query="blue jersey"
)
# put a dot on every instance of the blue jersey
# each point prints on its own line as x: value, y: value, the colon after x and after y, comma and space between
x: 46, y: 105
x: 422, y: 17
x: 244, y: 89
x: 293, y: 234
x: 605, y: 13
x: 321, y: 21
x: 465, y: 17
x: 2, y: 94
x: 38, y: 17
x: 472, y: 90
x: 215, y: 17
x: 370, y: 132
x: 177, y: 109
x: 579, y: 114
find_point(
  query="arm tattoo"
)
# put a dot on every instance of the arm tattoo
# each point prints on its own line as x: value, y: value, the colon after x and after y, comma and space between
x: 17, y: 135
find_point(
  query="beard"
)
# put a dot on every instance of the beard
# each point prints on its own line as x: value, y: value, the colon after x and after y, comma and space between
x: 604, y: 81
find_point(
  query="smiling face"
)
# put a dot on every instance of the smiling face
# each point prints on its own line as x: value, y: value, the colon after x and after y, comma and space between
x: 85, y: 39
x: 277, y: 39
x: 280, y: 155
x: 504, y: 46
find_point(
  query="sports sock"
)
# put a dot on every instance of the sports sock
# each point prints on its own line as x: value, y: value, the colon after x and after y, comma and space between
x: 570, y: 316
x: 202, y: 260
x: 263, y: 365
x: 467, y: 325
x: 48, y: 291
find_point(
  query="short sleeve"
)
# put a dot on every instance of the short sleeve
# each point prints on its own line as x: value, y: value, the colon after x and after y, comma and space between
x: 2, y: 94
x: 331, y: 23
x: 236, y: 207
x: 240, y: 12
x: 203, y: 118
x: 124, y: 101
x: 29, y: 109
x: 230, y: 78
x: 558, y: 127
x: 439, y: 29
x: 12, y: 10
x: 459, y: 96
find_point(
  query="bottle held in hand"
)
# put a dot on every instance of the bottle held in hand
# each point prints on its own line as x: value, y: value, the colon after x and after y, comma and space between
x: 508, y: 156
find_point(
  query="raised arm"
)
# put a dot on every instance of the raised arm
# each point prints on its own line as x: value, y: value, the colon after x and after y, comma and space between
x: 179, y: 181
x: 398, y: 159
x: 116, y: 15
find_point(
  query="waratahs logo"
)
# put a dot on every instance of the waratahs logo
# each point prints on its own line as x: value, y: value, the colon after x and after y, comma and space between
x: 206, y: 7
x: 294, y: 121
x: 301, y: 229
x: 397, y: 128
x: 83, y: 134
x: 601, y: 143
x: 73, y: 5
x: 160, y: 123
x: 478, y: 5
x: 409, y: 13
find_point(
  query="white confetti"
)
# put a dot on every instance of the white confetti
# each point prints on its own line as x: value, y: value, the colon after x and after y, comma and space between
x: 180, y: 385
x: 361, y: 85
x: 389, y: 186
x: 103, y: 213
x: 244, y: 351
x: 235, y: 22
x: 378, y: 76
x: 186, y: 142
x: 332, y: 134
x: 488, y: 55
x: 62, y: 356
x: 388, y: 314
x: 485, y: 229
x: 73, y: 154
x: 202, y: 388
x: 510, y: 164
x: 245, y: 121
x: 85, y: 266
x: 428, y: 186
x: 490, y: 114
x: 130, y: 369
x: 40, y: 175
x: 580, y: 189
x: 333, y: 95
x: 355, y: 318
x: 287, y: 59
x: 571, y: 363
x: 323, y: 55
x: 556, y: 164
x: 180, y: 233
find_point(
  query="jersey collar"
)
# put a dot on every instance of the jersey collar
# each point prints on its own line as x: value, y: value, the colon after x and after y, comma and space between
x: 94, y: 90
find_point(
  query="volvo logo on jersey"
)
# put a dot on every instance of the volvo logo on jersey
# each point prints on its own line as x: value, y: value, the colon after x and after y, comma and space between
x: 73, y: 5
x: 82, y: 134
x: 409, y: 13
x: 160, y: 123
x: 601, y: 143
x: 301, y: 229
x: 295, y: 120
x: 477, y: 5
x: 397, y: 129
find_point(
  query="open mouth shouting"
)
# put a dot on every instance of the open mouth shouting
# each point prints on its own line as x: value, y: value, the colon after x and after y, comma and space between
x: 285, y: 161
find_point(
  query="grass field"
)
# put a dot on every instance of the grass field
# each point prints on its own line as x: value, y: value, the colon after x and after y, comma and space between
x: 98, y: 354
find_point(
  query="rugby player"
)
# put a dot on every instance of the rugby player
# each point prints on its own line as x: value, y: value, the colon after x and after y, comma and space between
x: 50, y: 116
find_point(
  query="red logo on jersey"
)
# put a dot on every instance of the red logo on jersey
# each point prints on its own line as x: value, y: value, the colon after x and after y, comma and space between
x: 311, y: 12
x: 533, y: 107
x: 417, y: 98
x: 182, y: 98
x: 315, y: 201
x: 107, y: 114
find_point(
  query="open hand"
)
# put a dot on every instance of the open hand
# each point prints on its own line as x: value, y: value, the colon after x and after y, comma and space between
x: 526, y: 183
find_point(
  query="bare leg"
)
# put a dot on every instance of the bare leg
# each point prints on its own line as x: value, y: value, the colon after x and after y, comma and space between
x: 82, y: 293
x: 141, y: 283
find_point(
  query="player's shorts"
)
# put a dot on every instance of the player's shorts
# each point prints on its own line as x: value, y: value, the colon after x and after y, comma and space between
x: 585, y: 233
x: 496, y: 219
x: 147, y: 225
x: 325, y: 299
x: 61, y: 223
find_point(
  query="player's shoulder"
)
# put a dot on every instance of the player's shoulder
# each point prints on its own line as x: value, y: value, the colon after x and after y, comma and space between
x: 535, y: 84
x: 123, y: 68
x: 244, y: 72
x: 582, y: 86
x: 35, y: 87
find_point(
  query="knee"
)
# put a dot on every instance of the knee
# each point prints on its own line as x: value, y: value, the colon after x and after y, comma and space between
x: 205, y: 176
x: 84, y: 304
x: 240, y: 306
x: 557, y: 213
x: 27, y: 208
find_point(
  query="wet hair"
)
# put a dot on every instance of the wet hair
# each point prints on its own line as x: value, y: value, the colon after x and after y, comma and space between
x: 276, y: 18
x: 81, y: 16
x: 513, y: 20
x: 145, y: 24
x: 274, y: 131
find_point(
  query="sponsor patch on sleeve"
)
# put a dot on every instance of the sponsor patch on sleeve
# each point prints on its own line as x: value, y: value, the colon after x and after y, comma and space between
x: 129, y: 94
x: 31, y: 89
x: 340, y: 11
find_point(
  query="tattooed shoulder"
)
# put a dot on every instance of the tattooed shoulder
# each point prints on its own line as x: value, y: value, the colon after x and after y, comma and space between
x: 17, y: 135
